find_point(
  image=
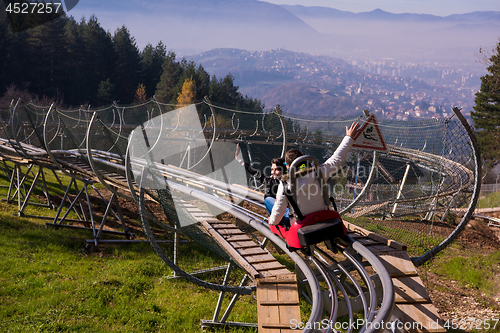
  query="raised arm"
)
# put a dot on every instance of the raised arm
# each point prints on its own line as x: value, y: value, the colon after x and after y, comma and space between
x: 353, y: 130
x: 237, y: 156
x: 334, y: 163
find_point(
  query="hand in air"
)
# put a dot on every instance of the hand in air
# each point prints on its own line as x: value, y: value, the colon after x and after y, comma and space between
x: 237, y: 154
x: 353, y: 130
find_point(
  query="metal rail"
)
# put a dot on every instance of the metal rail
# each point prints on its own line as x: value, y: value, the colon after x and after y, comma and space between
x: 372, y: 322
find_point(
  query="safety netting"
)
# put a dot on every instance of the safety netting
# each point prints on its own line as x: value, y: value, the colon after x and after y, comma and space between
x: 414, y: 190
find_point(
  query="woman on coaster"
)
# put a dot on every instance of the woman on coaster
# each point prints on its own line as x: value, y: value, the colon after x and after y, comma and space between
x: 309, y: 196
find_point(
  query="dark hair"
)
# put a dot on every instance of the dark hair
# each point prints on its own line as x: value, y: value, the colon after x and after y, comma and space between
x: 280, y: 164
x: 291, y: 155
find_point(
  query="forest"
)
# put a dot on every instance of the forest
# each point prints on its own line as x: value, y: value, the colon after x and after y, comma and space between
x: 57, y: 58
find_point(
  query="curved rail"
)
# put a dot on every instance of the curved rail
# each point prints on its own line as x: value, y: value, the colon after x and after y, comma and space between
x: 258, y: 222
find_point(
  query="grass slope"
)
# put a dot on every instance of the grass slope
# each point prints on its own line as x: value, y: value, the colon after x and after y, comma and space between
x: 48, y: 284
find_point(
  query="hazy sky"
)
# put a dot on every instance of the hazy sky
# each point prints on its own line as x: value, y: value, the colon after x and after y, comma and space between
x: 434, y: 7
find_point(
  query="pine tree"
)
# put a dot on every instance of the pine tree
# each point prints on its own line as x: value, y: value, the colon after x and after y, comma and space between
x: 152, y: 60
x: 486, y: 116
x: 202, y: 79
x: 128, y: 67
x: 224, y: 91
x: 6, y: 42
x: 73, y: 65
x: 171, y: 72
x: 99, y: 58
x: 105, y: 92
x: 46, y: 57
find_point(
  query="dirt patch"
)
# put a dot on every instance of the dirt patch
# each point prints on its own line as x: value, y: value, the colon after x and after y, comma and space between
x: 454, y: 300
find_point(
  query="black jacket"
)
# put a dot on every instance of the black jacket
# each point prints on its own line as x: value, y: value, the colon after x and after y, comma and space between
x: 270, y: 183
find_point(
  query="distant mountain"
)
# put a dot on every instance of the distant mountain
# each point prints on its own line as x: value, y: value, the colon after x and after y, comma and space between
x: 381, y: 15
x: 308, y: 99
x: 190, y: 26
x: 193, y: 26
x: 300, y: 82
x: 415, y: 37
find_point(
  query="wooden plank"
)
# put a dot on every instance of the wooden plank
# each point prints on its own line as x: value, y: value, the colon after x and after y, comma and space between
x: 267, y: 314
x: 389, y: 242
x: 223, y: 226
x: 289, y: 292
x: 213, y: 220
x: 200, y: 214
x: 252, y: 251
x: 413, y: 304
x: 245, y: 246
x: 410, y: 289
x: 288, y: 278
x: 222, y: 222
x: 255, y: 260
x: 277, y: 303
x: 259, y: 257
x: 397, y: 263
x: 278, y: 326
x: 377, y: 248
x: 366, y: 241
x: 229, y: 250
x: 419, y: 318
x: 230, y: 232
x: 248, y: 241
x: 259, y: 261
x: 268, y: 266
x: 282, y: 271
x: 236, y: 238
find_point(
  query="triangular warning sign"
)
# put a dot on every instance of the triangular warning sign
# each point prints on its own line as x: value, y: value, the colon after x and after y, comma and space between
x: 369, y: 136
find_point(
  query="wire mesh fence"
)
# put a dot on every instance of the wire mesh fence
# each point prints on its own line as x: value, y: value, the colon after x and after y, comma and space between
x: 414, y: 192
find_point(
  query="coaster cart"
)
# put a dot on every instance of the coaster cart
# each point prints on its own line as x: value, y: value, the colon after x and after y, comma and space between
x: 307, y: 231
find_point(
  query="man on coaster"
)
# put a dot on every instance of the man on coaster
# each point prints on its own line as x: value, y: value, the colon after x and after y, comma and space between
x: 271, y: 183
x: 309, y: 195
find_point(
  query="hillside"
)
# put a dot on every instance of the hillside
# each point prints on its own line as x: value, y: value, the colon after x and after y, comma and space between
x: 193, y: 25
x: 327, y: 86
x: 456, y: 278
x: 49, y: 284
x: 415, y: 37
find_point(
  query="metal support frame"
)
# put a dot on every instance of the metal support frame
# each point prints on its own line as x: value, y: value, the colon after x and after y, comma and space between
x: 19, y: 181
x: 400, y: 191
x: 223, y: 321
x: 86, y: 214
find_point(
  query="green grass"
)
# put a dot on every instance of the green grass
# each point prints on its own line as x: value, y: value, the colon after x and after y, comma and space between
x: 52, y: 183
x: 477, y: 271
x: 418, y: 244
x: 49, y: 284
x: 490, y: 200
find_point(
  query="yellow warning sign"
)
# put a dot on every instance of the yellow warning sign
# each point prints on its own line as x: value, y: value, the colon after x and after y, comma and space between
x: 369, y: 136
